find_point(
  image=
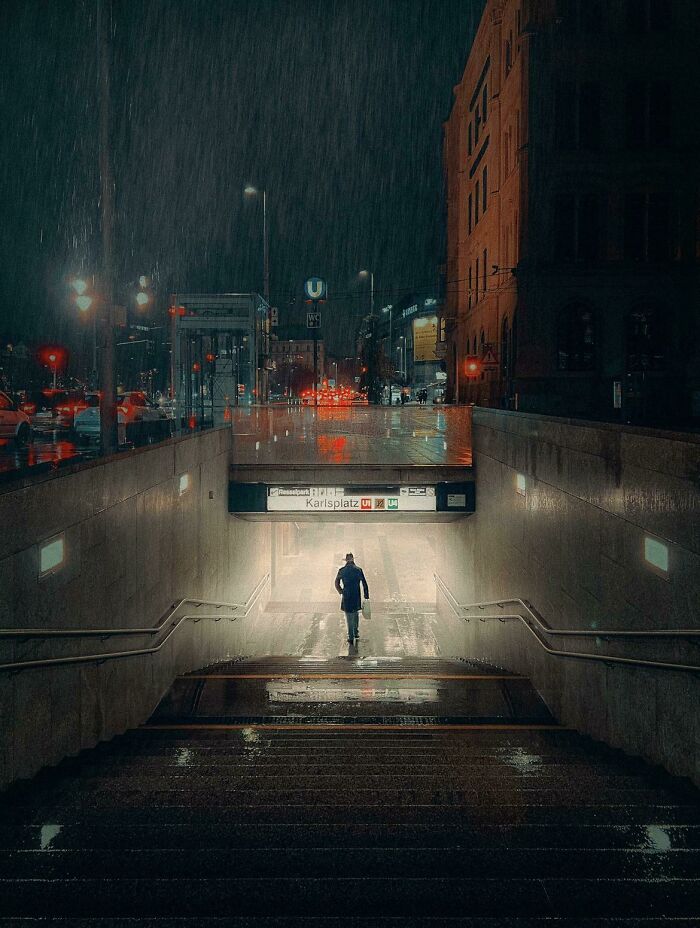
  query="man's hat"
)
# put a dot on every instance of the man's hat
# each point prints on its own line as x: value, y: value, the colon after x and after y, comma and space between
x: 349, y: 557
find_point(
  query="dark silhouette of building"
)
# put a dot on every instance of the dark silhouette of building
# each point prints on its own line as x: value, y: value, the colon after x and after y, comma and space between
x: 571, y: 170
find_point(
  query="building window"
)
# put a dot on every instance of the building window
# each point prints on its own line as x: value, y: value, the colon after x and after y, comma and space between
x: 476, y: 281
x: 648, y: 114
x: 477, y: 125
x: 505, y: 350
x: 648, y: 16
x: 645, y: 337
x: 470, y: 206
x: 577, y: 339
x: 484, y: 189
x: 577, y: 227
x: 580, y: 16
x: 577, y: 116
x: 485, y: 259
x: 647, y: 224
x: 470, y: 286
x: 476, y: 203
x: 508, y: 56
x: 484, y: 103
x: 474, y: 346
x: 469, y: 139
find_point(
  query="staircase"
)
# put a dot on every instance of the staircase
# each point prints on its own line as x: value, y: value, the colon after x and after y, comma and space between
x: 352, y: 794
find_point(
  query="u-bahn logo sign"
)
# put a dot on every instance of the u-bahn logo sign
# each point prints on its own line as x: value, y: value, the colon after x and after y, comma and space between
x: 315, y: 289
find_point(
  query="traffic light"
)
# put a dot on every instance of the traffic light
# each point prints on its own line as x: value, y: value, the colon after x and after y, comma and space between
x: 472, y: 366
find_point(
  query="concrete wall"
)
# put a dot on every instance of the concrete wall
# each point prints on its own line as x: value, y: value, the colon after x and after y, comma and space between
x: 573, y: 547
x: 134, y: 546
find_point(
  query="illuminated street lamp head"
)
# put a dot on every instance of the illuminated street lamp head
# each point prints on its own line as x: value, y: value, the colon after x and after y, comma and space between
x: 52, y: 358
x: 385, y: 309
x: 143, y: 281
x: 250, y: 190
x: 83, y: 302
x: 142, y: 298
x: 79, y: 285
x: 364, y: 274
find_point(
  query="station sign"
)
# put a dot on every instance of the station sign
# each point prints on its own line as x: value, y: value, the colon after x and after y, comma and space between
x: 297, y: 501
x: 351, y: 499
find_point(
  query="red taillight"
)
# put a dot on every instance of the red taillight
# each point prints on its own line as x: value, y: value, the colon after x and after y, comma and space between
x: 123, y: 410
x: 29, y: 408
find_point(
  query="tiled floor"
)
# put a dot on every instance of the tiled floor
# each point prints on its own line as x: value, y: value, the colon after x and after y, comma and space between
x: 354, y: 435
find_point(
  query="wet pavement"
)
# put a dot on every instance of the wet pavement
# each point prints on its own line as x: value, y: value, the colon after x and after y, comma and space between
x: 370, y: 435
x: 352, y: 692
x: 47, y: 452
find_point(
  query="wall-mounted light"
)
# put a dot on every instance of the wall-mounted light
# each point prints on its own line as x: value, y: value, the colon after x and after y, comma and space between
x: 520, y: 484
x: 51, y: 556
x: 656, y: 555
x: 184, y: 484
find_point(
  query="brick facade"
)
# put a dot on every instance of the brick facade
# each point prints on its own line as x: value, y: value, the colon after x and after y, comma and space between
x: 572, y: 191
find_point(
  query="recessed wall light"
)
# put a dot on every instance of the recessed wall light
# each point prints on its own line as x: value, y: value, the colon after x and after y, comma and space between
x: 51, y: 555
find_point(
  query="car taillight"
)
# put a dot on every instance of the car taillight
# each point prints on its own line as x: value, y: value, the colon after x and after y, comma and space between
x: 29, y: 408
x: 123, y: 410
x: 64, y: 409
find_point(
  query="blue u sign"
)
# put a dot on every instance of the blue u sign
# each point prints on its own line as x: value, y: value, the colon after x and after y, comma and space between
x: 315, y: 288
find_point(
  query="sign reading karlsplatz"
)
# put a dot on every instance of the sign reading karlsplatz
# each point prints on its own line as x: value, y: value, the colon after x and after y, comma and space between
x: 351, y: 499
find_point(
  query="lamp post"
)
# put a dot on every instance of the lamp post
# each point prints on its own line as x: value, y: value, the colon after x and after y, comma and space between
x: 252, y: 192
x: 371, y: 365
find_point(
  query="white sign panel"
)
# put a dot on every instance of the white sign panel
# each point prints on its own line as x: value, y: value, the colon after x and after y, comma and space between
x: 342, y: 499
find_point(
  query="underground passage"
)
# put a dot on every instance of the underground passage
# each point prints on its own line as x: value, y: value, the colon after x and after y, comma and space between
x: 189, y: 737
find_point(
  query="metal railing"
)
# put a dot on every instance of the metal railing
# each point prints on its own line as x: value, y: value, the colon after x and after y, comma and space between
x: 538, y: 628
x: 170, y: 623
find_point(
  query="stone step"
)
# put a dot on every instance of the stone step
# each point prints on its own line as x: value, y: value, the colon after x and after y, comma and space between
x: 360, y: 862
x: 399, y: 898
x: 480, y: 796
x: 505, y: 814
x: 658, y: 837
x: 244, y: 921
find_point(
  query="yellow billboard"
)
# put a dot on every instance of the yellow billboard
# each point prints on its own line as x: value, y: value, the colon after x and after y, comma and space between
x: 425, y: 334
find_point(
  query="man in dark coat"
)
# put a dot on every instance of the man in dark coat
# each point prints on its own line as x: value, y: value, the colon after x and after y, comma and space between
x: 347, y: 583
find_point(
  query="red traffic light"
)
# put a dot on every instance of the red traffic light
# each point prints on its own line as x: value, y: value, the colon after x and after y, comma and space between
x: 53, y: 356
x: 196, y: 367
x: 210, y: 357
x: 472, y: 366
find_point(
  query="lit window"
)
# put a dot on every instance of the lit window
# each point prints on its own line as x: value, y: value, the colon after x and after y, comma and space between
x: 52, y: 555
x: 520, y: 484
x: 656, y: 554
x: 184, y: 483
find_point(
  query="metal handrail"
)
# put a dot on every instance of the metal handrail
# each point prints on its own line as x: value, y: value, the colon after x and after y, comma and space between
x: 543, y: 628
x: 112, y: 632
x: 174, y: 626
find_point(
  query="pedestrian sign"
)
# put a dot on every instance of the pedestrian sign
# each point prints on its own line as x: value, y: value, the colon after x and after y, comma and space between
x: 313, y: 320
x: 315, y: 289
x: 274, y: 316
x: 393, y: 503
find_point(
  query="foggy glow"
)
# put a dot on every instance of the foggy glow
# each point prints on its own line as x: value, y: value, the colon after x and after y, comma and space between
x: 84, y: 303
x: 80, y: 286
x: 142, y: 298
x: 520, y: 484
x: 184, y: 484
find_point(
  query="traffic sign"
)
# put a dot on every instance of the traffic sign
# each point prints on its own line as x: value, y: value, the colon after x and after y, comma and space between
x: 315, y: 289
x: 488, y: 355
x: 313, y: 320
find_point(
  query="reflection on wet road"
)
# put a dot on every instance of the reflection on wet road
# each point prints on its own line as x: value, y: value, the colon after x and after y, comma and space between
x: 359, y: 435
x: 47, y: 450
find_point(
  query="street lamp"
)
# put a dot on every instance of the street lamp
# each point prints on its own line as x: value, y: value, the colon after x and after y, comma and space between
x: 370, y: 274
x: 251, y: 191
x: 85, y: 302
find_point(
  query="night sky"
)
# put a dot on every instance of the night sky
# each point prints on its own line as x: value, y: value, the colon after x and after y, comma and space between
x: 335, y: 106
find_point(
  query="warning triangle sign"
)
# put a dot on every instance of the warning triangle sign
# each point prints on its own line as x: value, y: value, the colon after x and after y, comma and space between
x: 488, y: 355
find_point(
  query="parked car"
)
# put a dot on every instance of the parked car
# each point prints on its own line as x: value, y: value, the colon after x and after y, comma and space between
x: 14, y: 423
x: 138, y: 420
x: 51, y: 409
